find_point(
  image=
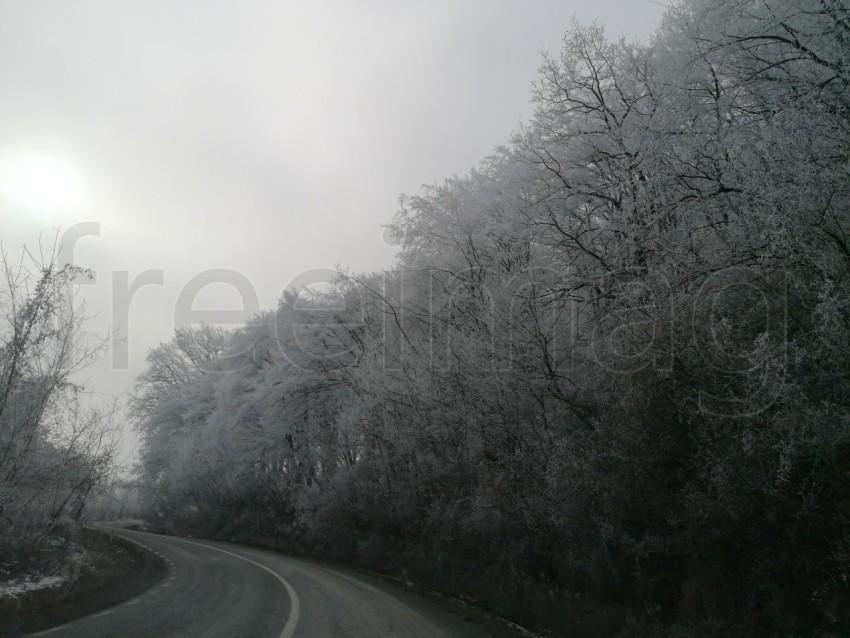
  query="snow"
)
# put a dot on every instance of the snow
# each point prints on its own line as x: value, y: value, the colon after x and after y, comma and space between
x: 14, y: 588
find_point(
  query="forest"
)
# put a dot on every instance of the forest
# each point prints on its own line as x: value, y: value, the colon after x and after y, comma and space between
x: 605, y: 390
x: 57, y: 447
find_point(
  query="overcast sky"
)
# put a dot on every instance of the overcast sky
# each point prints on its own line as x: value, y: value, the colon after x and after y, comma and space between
x: 264, y: 137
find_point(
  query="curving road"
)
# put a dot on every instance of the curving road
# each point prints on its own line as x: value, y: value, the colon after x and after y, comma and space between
x: 220, y: 590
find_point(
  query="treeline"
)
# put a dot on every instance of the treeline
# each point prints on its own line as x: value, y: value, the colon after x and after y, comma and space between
x: 56, y: 449
x: 605, y: 390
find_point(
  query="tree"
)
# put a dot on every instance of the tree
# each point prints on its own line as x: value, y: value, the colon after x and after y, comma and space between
x: 610, y: 366
x: 54, y: 449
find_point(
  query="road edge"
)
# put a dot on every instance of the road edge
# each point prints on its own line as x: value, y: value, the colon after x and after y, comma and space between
x: 91, y: 595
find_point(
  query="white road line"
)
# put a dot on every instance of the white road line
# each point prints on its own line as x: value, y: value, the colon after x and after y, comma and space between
x: 50, y: 631
x: 107, y: 611
x: 295, y: 604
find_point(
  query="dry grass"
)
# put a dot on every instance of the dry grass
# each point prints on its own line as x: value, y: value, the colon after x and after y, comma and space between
x: 116, y: 571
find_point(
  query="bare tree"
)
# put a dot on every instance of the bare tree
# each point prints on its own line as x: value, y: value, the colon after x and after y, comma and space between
x: 54, y: 448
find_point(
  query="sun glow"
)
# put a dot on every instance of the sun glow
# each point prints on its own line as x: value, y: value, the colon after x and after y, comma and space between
x: 41, y: 183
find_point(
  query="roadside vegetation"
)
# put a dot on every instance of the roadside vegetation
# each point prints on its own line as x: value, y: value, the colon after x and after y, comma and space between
x: 606, y: 390
x: 56, y: 449
x: 110, y: 570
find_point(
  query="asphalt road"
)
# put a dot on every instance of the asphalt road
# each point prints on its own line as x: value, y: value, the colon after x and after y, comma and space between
x: 220, y: 590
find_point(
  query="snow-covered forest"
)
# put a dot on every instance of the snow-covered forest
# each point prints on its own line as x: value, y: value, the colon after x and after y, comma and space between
x: 56, y: 448
x: 606, y: 386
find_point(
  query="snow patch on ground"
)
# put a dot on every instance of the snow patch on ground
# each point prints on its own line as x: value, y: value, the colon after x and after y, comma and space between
x: 14, y: 588
x: 75, y: 560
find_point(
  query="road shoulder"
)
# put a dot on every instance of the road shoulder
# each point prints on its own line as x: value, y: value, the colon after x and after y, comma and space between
x: 116, y: 571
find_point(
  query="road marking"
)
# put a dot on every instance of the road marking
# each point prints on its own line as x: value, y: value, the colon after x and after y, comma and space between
x: 295, y: 604
x: 107, y: 611
x: 50, y: 631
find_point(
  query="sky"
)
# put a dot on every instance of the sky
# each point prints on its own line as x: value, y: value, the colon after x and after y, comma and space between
x: 218, y: 152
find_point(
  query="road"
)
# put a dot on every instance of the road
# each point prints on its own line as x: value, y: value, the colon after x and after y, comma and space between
x: 221, y: 590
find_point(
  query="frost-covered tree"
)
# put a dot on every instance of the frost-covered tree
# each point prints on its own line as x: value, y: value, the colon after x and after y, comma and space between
x: 54, y: 448
x: 610, y: 366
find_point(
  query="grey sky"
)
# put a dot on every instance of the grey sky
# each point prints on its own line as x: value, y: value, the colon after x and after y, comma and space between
x: 264, y: 137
